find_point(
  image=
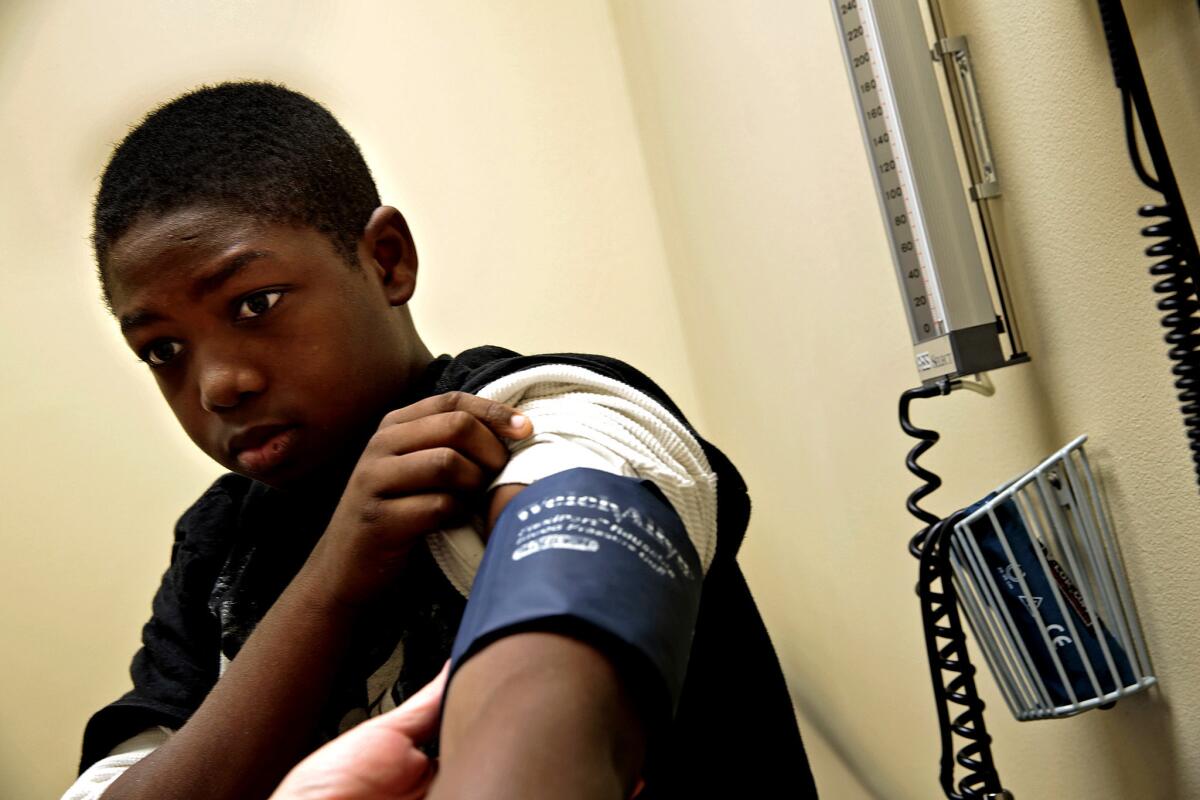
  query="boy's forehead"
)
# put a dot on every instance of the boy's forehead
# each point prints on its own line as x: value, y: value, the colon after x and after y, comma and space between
x: 177, y: 244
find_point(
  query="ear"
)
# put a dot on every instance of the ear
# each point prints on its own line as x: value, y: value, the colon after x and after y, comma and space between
x: 387, y: 249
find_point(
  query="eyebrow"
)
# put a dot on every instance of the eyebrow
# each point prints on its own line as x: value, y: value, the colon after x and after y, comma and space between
x: 207, y: 284
x: 137, y: 319
x: 203, y: 285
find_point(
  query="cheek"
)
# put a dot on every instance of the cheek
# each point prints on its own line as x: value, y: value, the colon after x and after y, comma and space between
x: 314, y: 350
x: 346, y: 351
x: 184, y: 402
x: 196, y: 423
x: 327, y: 369
x: 328, y: 362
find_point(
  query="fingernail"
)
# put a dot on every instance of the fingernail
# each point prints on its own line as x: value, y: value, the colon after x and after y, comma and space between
x: 517, y: 421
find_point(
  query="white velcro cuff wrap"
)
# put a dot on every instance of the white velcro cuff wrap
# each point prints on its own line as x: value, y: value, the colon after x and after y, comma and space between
x: 95, y: 781
x: 584, y: 419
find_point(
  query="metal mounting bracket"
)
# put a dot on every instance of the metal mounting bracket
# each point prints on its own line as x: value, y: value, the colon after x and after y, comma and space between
x: 956, y: 49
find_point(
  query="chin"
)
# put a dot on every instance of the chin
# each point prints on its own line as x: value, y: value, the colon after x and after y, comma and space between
x: 325, y: 476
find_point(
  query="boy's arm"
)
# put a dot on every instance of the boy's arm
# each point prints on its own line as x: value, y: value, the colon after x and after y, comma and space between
x: 261, y: 715
x: 539, y: 715
x: 573, y: 648
x: 578, y: 731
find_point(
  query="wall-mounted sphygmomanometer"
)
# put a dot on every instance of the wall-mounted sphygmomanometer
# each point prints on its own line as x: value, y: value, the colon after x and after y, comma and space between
x: 935, y: 238
x: 1034, y: 566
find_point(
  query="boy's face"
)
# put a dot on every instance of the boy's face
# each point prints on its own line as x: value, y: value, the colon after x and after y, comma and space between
x: 277, y: 357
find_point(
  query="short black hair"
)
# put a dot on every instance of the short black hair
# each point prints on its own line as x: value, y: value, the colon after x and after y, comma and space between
x: 255, y: 147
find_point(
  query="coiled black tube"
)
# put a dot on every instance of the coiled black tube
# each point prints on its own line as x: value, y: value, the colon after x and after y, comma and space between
x: 952, y: 674
x: 1178, y: 265
x: 927, y: 439
x: 950, y: 668
x: 1179, y: 307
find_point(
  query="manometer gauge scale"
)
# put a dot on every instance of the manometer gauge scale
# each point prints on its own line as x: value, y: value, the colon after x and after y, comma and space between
x: 953, y: 323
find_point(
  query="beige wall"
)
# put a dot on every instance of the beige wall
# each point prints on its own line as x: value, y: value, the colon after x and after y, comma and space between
x: 800, y: 353
x: 680, y: 184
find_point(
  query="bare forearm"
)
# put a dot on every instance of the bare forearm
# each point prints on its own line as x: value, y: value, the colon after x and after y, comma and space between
x: 259, y: 718
x: 538, y: 715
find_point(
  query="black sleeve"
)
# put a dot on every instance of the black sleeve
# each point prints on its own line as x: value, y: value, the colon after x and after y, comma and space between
x: 735, y: 733
x: 178, y: 662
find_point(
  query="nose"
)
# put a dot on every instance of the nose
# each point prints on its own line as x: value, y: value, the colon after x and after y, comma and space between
x: 226, y: 383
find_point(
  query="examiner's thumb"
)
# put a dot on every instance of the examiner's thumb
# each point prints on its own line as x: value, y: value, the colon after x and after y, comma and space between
x: 418, y: 716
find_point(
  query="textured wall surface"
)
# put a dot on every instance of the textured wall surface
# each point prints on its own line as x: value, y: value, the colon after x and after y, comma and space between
x: 800, y: 353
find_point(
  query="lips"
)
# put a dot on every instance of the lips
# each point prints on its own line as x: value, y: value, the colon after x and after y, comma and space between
x: 263, y: 447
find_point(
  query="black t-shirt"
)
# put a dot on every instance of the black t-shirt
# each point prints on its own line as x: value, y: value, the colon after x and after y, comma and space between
x: 238, y: 546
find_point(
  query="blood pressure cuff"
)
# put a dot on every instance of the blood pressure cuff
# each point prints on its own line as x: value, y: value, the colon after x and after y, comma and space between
x: 1087, y: 624
x: 598, y: 557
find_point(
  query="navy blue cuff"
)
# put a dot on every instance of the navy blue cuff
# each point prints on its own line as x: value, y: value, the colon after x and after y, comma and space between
x: 1086, y: 623
x: 598, y: 557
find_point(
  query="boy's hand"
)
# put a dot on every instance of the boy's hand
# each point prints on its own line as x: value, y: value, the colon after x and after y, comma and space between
x: 424, y: 469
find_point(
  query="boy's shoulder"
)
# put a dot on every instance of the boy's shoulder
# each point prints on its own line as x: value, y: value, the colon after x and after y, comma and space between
x: 473, y: 369
x: 480, y: 367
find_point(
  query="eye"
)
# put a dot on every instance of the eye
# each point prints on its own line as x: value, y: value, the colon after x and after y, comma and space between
x: 160, y: 352
x: 258, y: 304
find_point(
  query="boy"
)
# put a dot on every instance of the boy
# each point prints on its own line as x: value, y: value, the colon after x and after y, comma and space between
x: 243, y: 248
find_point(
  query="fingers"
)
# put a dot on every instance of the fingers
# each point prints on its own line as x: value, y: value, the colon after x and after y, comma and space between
x: 417, y: 718
x: 405, y: 517
x: 378, y: 758
x: 424, y: 469
x: 440, y: 469
x: 454, y: 429
x: 501, y: 419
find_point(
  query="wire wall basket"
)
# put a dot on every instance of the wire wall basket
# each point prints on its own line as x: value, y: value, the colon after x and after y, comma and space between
x: 1041, y: 581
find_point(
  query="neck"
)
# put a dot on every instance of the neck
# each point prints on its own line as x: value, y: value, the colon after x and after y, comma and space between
x: 416, y: 355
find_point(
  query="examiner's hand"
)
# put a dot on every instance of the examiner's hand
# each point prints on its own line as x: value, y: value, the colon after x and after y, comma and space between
x: 425, y: 468
x: 378, y: 760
